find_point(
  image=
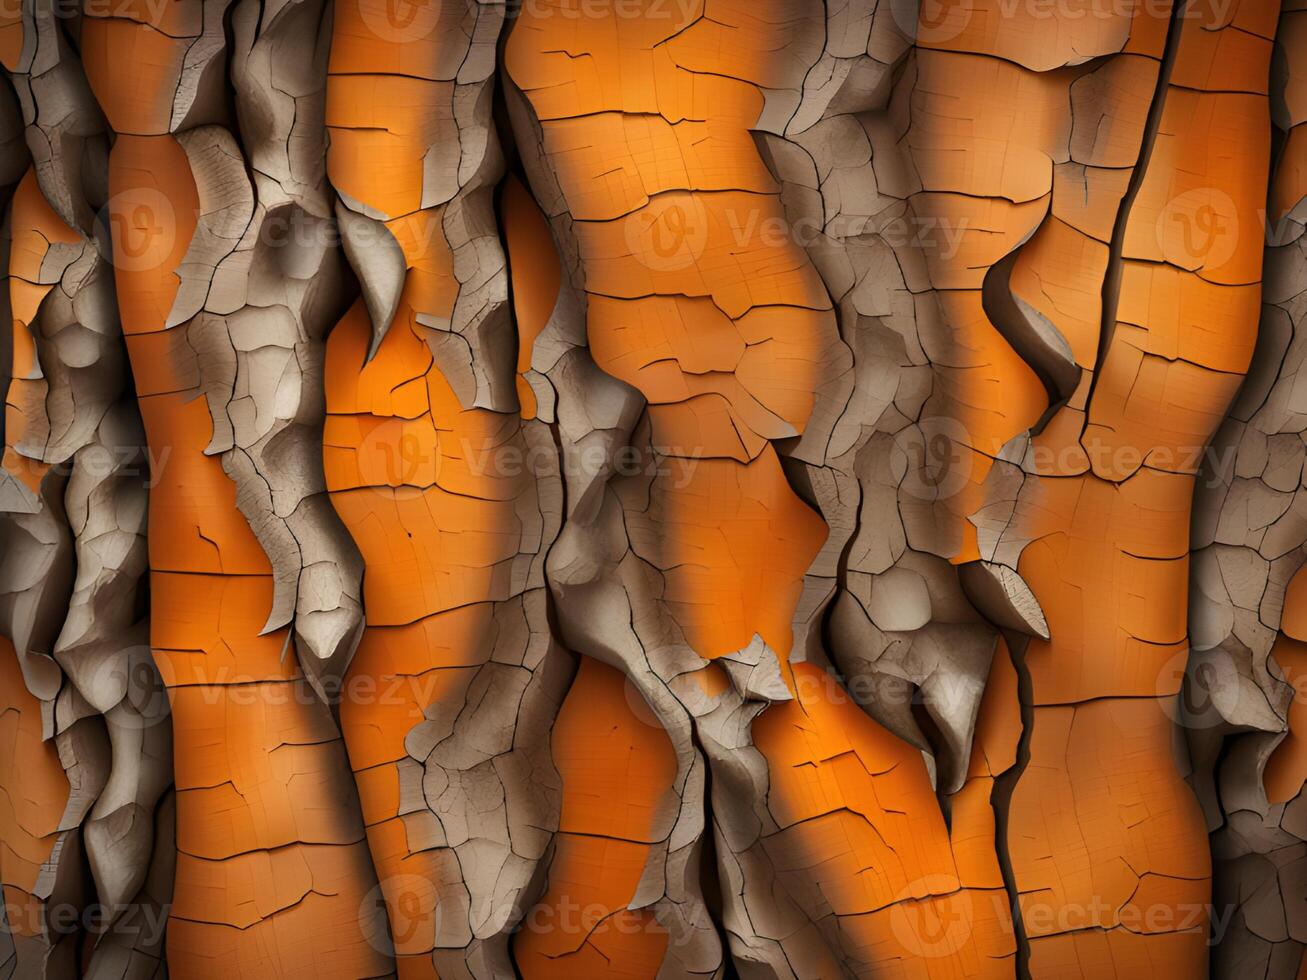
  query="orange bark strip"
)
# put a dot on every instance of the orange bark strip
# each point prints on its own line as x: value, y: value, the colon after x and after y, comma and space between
x: 860, y: 826
x: 273, y: 870
x: 994, y: 114
x: 438, y: 490
x: 617, y: 764
x: 438, y: 539
x: 35, y: 227
x: 1107, y: 844
x: 704, y: 319
x: 34, y: 788
x: 728, y: 333
x: 33, y: 793
x: 1286, y: 769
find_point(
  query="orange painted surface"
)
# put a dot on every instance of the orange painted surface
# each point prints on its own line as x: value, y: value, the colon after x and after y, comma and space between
x: 728, y: 333
x: 11, y: 37
x: 153, y: 39
x: 994, y: 193
x: 859, y: 819
x: 33, y: 794
x: 437, y: 495
x: 438, y: 537
x: 722, y: 329
x: 1108, y: 847
x: 648, y: 127
x: 617, y: 766
x: 34, y: 789
x: 34, y: 227
x: 973, y: 827
x: 273, y: 873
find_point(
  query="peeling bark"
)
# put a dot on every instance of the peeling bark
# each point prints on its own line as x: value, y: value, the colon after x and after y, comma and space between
x: 652, y: 488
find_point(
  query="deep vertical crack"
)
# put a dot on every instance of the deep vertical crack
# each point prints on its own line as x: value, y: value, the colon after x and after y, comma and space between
x: 1005, y: 784
x: 1112, y: 277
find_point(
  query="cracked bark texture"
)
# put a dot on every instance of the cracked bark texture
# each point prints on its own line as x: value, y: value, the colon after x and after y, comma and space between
x: 89, y: 761
x: 452, y: 496
x: 1245, y: 680
x: 222, y: 330
x: 653, y: 488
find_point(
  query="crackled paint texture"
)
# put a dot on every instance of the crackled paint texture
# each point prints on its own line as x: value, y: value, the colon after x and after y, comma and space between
x: 653, y: 489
